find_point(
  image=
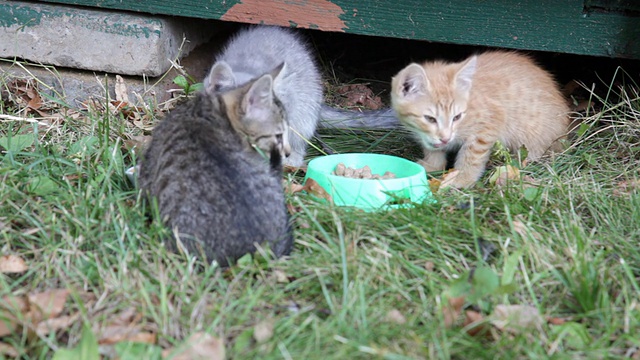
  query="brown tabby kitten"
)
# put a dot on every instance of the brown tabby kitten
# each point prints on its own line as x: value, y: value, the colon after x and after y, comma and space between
x: 216, y: 192
x: 469, y: 106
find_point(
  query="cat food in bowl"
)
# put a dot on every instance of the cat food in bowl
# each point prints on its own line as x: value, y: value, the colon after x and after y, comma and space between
x: 370, y: 181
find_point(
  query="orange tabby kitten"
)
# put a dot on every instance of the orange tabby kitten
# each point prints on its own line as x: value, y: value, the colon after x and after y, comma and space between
x: 495, y: 96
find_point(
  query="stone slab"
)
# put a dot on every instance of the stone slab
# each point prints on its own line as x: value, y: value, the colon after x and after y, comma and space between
x: 100, y: 40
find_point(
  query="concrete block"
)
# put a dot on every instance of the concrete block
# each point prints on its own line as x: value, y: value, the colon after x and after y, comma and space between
x: 99, y: 40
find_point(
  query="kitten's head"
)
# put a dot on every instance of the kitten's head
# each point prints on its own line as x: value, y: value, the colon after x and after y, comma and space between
x: 254, y: 110
x: 432, y: 100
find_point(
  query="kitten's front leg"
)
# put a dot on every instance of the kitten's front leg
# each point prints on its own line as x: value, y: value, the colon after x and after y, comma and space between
x: 433, y: 160
x: 470, y: 163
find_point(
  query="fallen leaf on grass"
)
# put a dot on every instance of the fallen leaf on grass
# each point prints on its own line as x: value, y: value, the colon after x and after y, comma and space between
x: 125, y: 326
x: 263, y: 331
x: 520, y: 228
x: 502, y: 175
x: 121, y: 90
x: 474, y: 320
x: 33, y: 310
x: 452, y: 310
x: 516, y: 318
x: 12, y: 264
x: 137, y: 143
x: 293, y: 188
x: 27, y: 95
x: 116, y: 334
x: 46, y: 305
x: 312, y: 187
x: 434, y: 185
x: 555, y: 320
x: 200, y: 346
x: 51, y: 325
x: 281, y: 277
x: 523, y: 230
x: 9, y: 308
x: 294, y: 169
x: 8, y: 350
x: 395, y: 316
x: 626, y: 187
x: 358, y: 95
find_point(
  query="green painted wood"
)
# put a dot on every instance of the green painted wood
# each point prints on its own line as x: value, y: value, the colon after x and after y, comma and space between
x: 548, y: 25
x: 624, y: 6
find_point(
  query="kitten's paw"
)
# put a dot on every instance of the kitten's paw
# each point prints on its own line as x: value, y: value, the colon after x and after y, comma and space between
x: 456, y: 179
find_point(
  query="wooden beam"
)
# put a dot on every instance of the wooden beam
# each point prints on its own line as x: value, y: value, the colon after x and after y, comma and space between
x: 548, y: 25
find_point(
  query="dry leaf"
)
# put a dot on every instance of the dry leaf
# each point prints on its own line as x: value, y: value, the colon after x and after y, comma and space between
x: 118, y: 333
x: 520, y: 228
x: 474, y: 318
x: 12, y: 264
x: 263, y: 330
x: 294, y: 169
x: 312, y: 187
x: 121, y: 90
x: 555, y: 320
x: 125, y: 326
x: 452, y: 310
x: 515, y: 318
x: 35, y: 102
x: 137, y: 143
x: 200, y: 346
x: 55, y: 324
x: 434, y: 185
x: 358, y: 95
x: 281, y: 277
x: 293, y: 188
x: 47, y: 304
x: 626, y: 187
x: 8, y: 350
x: 10, y: 306
x: 523, y: 230
x: 395, y: 316
x: 502, y: 175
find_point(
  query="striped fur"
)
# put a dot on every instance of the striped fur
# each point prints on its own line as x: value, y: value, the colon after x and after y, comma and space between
x: 469, y: 106
x: 212, y: 188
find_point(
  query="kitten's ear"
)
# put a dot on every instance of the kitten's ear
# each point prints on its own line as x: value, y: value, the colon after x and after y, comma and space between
x: 411, y: 81
x: 221, y: 76
x: 258, y: 100
x: 278, y: 74
x: 464, y: 76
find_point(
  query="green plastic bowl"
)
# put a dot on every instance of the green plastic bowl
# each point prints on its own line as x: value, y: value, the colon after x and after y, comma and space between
x: 409, y: 186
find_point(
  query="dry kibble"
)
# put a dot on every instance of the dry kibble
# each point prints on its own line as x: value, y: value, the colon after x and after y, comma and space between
x: 366, y: 172
x: 389, y: 175
x: 350, y: 173
x: 361, y: 173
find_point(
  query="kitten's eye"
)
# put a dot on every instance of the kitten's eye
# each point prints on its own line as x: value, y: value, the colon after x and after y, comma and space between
x: 457, y: 117
x: 430, y: 119
x: 279, y: 138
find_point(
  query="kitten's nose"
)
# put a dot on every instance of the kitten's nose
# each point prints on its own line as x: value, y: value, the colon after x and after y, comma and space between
x: 286, y: 149
x: 444, y: 141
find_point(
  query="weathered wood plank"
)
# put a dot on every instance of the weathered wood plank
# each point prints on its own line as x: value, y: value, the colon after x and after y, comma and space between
x: 547, y: 25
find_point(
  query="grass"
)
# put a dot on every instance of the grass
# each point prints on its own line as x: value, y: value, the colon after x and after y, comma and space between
x: 571, y: 250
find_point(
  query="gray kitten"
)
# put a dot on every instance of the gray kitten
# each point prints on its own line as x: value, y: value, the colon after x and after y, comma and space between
x: 258, y: 49
x: 216, y: 192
